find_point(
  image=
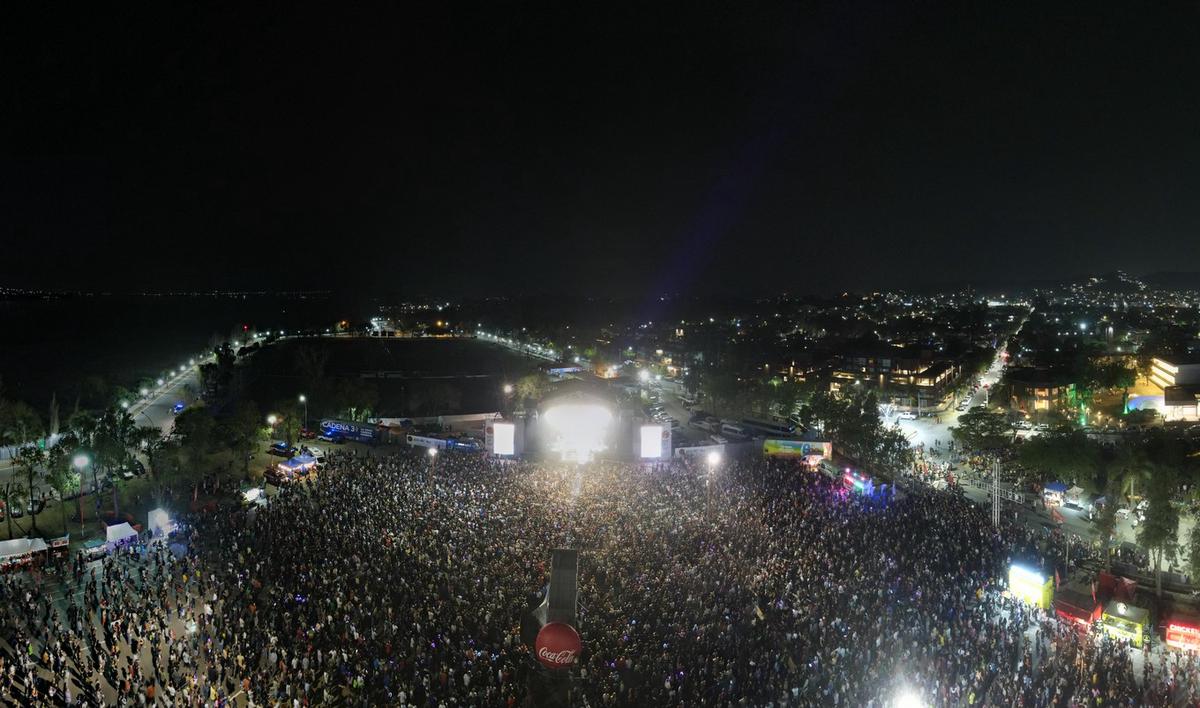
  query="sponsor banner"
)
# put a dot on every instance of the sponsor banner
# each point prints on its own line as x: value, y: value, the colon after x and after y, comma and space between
x: 797, y: 448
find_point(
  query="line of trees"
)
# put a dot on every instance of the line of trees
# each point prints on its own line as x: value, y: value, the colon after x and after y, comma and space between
x: 1155, y: 467
x: 853, y: 423
x: 110, y: 442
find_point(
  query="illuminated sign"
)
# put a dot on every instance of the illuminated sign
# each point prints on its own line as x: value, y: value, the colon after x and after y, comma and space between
x: 652, y: 436
x: 349, y: 431
x: 797, y: 448
x: 503, y: 438
x: 1183, y: 637
x: 1030, y: 586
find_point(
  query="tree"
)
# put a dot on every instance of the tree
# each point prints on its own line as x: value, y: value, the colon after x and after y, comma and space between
x: 981, y: 429
x: 1129, y: 468
x: 1194, y: 548
x: 52, y: 426
x: 530, y: 388
x: 244, y: 430
x: 60, y: 472
x: 31, y: 458
x: 1160, y: 532
x: 19, y: 424
x: 14, y: 498
x: 1065, y: 455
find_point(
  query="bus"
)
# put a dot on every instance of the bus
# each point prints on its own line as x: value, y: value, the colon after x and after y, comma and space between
x: 777, y: 429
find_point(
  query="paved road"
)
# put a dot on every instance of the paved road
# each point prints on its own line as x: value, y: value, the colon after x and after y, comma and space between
x: 924, y: 431
x: 154, y: 411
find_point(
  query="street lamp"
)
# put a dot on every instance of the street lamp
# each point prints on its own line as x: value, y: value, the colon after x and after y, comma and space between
x: 508, y: 389
x: 145, y: 392
x: 304, y: 400
x: 432, y: 459
x: 272, y: 420
x: 714, y: 459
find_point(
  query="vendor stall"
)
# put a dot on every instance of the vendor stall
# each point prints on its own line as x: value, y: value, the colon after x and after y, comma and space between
x: 16, y: 553
x: 1125, y: 622
x: 1054, y: 493
x: 1183, y: 630
x: 1077, y: 606
x: 58, y: 546
x: 1030, y: 586
x: 298, y: 466
x: 121, y: 534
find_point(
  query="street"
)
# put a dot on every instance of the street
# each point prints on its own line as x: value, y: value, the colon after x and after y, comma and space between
x: 155, y: 410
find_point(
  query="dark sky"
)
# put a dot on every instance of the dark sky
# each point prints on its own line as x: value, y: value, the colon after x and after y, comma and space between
x: 596, y: 147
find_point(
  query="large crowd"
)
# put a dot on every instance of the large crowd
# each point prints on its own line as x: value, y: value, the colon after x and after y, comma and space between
x: 402, y: 580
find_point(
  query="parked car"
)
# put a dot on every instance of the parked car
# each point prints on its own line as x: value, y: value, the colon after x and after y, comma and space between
x: 306, y: 434
x: 907, y: 415
x: 335, y: 439
x: 282, y: 449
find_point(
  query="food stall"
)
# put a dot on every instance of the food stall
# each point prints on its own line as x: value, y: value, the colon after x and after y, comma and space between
x: 1077, y: 607
x: 1183, y: 631
x: 1054, y: 493
x: 1125, y: 621
x: 58, y: 546
x: 298, y: 466
x: 18, y: 552
x: 1030, y: 586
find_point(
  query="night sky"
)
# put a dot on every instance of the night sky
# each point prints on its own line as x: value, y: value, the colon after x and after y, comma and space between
x: 596, y: 148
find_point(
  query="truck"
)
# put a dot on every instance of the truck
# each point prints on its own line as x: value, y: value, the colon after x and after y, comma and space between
x: 349, y: 431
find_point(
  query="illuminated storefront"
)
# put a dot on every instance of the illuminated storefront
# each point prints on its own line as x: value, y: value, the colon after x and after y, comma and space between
x: 1125, y: 622
x: 1184, y: 636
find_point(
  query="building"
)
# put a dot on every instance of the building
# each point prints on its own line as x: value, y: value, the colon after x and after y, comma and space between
x: 916, y: 380
x: 1037, y: 388
x: 1174, y: 371
x: 1181, y: 403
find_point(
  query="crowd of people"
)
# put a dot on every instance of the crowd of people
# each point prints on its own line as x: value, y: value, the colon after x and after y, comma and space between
x: 404, y: 580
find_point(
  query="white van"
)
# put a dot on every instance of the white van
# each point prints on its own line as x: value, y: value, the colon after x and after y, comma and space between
x: 907, y: 415
x: 733, y: 429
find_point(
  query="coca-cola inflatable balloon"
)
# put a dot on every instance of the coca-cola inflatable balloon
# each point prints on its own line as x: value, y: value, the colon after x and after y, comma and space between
x: 557, y: 645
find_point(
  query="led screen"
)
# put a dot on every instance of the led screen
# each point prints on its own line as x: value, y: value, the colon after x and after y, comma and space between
x: 502, y: 438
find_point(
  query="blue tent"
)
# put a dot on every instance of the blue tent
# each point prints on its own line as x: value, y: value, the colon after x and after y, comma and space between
x: 1056, y: 487
x: 299, y: 463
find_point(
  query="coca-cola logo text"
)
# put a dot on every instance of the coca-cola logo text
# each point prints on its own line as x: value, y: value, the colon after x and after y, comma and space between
x: 557, y: 645
x: 561, y: 658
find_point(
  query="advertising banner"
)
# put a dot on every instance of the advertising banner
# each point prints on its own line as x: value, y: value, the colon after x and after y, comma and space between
x: 797, y: 448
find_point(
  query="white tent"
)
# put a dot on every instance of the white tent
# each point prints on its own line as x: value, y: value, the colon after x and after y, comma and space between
x: 121, y: 532
x: 17, y: 547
